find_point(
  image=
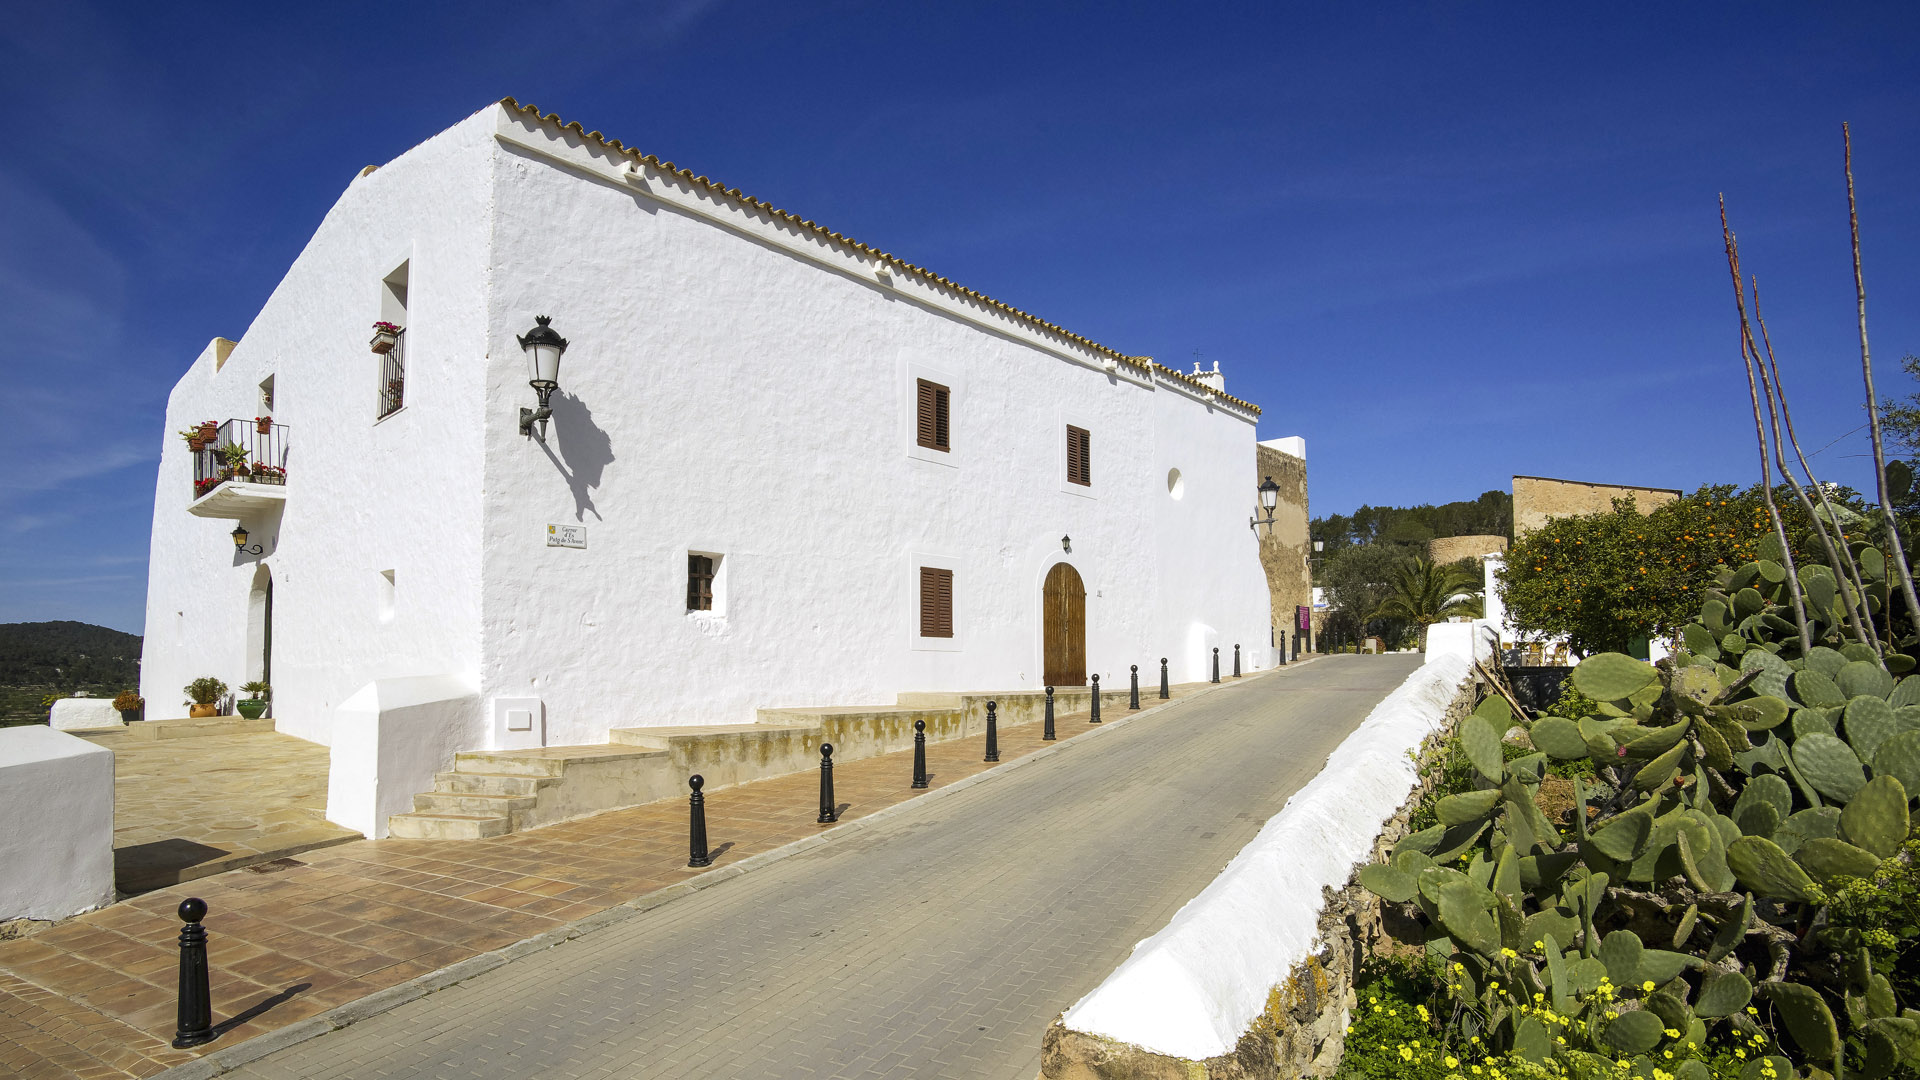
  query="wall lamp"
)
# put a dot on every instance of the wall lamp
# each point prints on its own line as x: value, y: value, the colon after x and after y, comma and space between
x: 1066, y: 544
x: 240, y: 541
x: 1269, y: 498
x: 543, y: 346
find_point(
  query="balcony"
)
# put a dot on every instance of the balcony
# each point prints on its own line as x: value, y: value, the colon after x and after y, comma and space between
x: 241, y: 472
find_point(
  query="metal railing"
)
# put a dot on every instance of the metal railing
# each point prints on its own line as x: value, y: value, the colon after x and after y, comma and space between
x: 241, y: 451
x: 393, y: 377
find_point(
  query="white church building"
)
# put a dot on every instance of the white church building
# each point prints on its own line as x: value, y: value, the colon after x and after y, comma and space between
x: 781, y: 468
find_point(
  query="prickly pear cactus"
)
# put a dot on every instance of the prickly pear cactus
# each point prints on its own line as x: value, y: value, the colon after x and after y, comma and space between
x: 1737, y: 786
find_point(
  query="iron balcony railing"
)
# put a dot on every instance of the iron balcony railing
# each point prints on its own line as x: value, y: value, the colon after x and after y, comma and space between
x: 393, y: 377
x: 240, y: 451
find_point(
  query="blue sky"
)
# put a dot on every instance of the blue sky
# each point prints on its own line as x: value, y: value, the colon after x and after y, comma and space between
x: 1445, y: 243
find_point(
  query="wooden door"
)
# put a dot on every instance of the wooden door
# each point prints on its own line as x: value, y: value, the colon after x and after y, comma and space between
x: 1064, y: 627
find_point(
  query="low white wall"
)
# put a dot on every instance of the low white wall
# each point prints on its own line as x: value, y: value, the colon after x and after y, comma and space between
x: 56, y: 797
x: 389, y: 738
x: 1193, y: 989
x: 1461, y: 638
x: 81, y: 714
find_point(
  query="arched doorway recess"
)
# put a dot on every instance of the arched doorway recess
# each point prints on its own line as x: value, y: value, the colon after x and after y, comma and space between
x: 1064, y: 627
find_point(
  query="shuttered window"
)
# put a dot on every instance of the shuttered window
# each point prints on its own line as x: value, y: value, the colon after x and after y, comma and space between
x: 930, y: 415
x: 936, y: 602
x: 1079, y: 456
x: 699, y: 582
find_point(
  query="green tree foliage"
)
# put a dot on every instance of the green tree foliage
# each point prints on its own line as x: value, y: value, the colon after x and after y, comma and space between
x: 1358, y: 580
x: 1421, y: 593
x: 1489, y: 515
x: 67, y: 654
x: 1607, y: 578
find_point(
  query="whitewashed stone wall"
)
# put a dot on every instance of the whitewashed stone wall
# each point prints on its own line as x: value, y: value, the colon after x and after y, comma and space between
x: 56, y: 797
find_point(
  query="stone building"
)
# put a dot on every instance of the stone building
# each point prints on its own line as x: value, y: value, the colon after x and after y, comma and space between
x: 1538, y: 499
x: 1285, y: 548
x: 1451, y: 549
x: 778, y: 467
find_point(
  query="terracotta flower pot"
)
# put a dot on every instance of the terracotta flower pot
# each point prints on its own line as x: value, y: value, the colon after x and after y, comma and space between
x: 263, y: 425
x: 384, y: 341
x: 209, y: 431
x: 198, y: 711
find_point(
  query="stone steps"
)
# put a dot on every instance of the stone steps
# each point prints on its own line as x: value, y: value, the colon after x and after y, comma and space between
x: 494, y: 792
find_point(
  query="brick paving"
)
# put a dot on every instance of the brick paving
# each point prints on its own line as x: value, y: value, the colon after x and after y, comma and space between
x: 938, y: 942
x: 95, y: 996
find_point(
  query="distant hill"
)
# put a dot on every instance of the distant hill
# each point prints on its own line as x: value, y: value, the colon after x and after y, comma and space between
x: 1412, y: 526
x: 67, y: 654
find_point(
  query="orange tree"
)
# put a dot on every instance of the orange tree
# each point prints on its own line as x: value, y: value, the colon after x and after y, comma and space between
x: 1606, y: 578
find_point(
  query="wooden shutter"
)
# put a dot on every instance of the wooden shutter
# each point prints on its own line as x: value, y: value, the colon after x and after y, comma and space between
x: 930, y: 415
x: 936, y: 602
x: 1079, y: 456
x: 699, y: 582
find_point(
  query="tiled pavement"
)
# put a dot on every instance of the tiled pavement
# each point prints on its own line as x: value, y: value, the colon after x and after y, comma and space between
x: 95, y: 996
x: 938, y: 942
x: 187, y: 808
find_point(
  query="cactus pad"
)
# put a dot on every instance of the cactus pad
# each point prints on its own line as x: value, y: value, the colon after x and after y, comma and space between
x: 1829, y: 765
x: 1807, y: 825
x: 1388, y: 883
x: 1905, y: 692
x: 1558, y: 738
x: 1621, y: 952
x: 1864, y: 678
x: 1899, y: 757
x: 1481, y: 738
x: 1876, y: 818
x: 1467, y: 806
x: 1625, y: 837
x: 1869, y: 722
x: 1826, y: 661
x: 1816, y: 688
x: 1826, y: 859
x: 1635, y: 1032
x: 1807, y: 1017
x: 1612, y: 676
x: 1768, y: 871
x: 1766, y: 788
x: 1723, y: 994
x: 1810, y: 722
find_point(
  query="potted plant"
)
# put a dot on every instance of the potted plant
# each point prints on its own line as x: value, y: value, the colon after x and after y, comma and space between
x: 385, y: 336
x: 205, y: 484
x: 203, y: 696
x: 269, y: 474
x: 234, y: 459
x: 254, y: 705
x: 209, y: 431
x: 129, y: 703
x: 194, y: 442
x: 263, y: 424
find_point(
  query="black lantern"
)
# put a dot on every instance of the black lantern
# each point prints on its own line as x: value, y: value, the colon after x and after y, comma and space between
x: 543, y: 347
x: 1269, y: 498
x: 240, y: 536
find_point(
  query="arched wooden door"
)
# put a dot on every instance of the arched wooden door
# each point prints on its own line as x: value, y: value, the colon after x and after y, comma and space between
x: 1064, y: 626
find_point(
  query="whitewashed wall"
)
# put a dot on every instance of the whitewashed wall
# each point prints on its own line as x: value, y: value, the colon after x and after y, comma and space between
x: 401, y: 495
x: 722, y: 394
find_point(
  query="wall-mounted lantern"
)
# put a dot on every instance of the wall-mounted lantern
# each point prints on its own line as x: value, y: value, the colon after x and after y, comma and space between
x: 240, y: 541
x: 1066, y: 544
x: 1269, y: 498
x: 543, y: 346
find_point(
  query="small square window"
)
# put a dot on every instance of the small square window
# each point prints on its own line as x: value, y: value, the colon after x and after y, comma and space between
x: 930, y: 415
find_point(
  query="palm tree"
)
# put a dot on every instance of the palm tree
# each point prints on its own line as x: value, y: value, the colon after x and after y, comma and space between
x: 1424, y: 594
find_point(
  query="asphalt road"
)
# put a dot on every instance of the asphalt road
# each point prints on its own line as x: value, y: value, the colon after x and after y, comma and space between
x: 939, y: 942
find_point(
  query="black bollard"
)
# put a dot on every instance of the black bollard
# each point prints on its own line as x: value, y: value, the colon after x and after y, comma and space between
x: 1216, y: 663
x: 829, y: 810
x: 195, y: 1018
x: 1095, y: 718
x: 697, y: 824
x: 1163, y: 679
x: 1046, y: 733
x: 919, y: 753
x: 1236, y: 661
x: 1133, y: 692
x: 1283, y: 648
x: 993, y: 733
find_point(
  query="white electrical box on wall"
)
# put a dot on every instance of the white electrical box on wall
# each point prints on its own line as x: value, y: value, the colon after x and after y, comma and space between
x: 519, y: 723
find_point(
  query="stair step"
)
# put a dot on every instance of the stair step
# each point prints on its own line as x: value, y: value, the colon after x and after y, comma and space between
x: 447, y: 802
x: 447, y: 826
x: 660, y: 738
x: 478, y: 783
x: 546, y: 761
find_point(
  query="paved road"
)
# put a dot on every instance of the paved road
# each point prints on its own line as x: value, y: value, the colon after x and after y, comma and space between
x: 938, y: 943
